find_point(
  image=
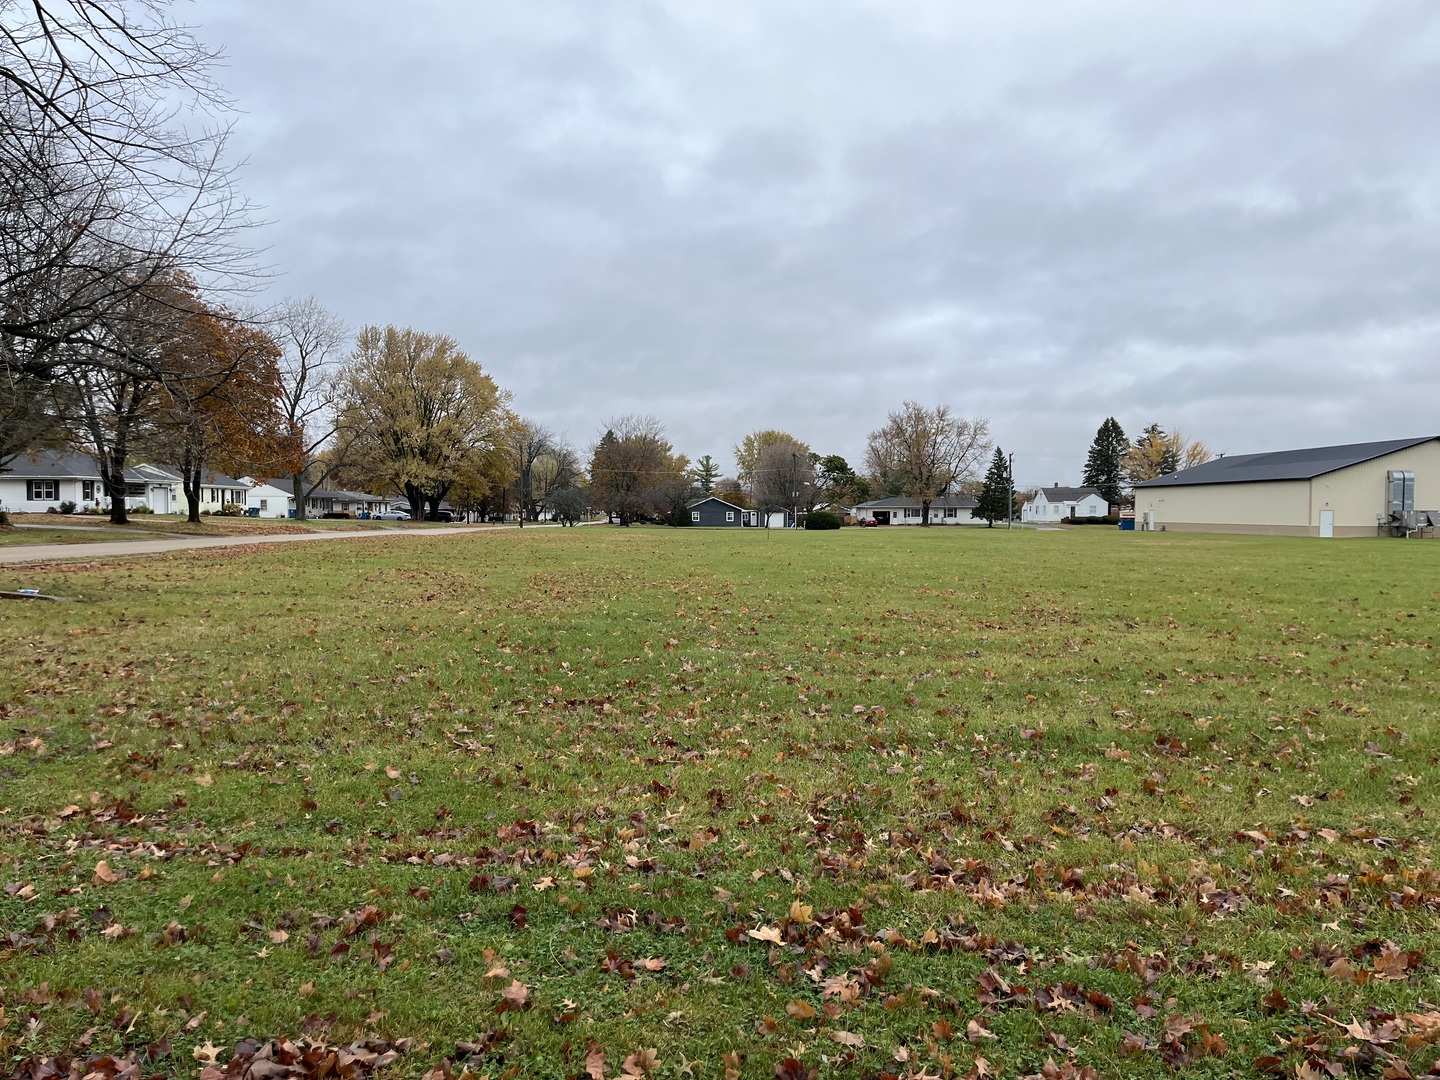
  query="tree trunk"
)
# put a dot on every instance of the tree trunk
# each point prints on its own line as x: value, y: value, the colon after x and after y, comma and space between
x: 112, y: 473
x: 416, y: 501
x: 924, y: 512
x: 190, y: 481
x: 297, y: 486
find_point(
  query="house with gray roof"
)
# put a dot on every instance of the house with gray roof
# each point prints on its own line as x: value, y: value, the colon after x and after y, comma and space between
x: 1054, y: 504
x: 900, y: 510
x: 1330, y: 491
x: 39, y: 481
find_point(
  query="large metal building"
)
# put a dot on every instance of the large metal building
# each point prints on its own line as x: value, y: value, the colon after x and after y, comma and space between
x: 1324, y: 491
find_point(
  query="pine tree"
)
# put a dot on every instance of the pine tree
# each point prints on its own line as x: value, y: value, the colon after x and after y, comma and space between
x: 706, y: 473
x: 1105, y: 466
x: 995, y: 495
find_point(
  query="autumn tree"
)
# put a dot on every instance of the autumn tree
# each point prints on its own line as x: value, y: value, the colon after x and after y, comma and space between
x: 921, y: 453
x: 417, y: 411
x: 732, y: 491
x: 634, y: 471
x: 747, y: 454
x: 1156, y: 453
x: 1105, y: 464
x: 220, y: 401
x: 528, y: 442
x: 995, y: 501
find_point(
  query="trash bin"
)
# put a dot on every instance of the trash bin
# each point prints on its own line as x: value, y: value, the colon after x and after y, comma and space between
x: 292, y: 512
x: 252, y: 511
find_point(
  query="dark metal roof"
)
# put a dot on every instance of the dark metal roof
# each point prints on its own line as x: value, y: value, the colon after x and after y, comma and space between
x: 1284, y: 464
x: 900, y: 502
x: 1067, y: 494
x: 713, y: 498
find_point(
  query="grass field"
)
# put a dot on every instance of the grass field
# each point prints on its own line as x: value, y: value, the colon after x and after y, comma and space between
x: 12, y: 537
x: 669, y: 802
x: 219, y: 525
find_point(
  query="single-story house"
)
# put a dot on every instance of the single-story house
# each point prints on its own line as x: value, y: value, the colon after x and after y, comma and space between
x: 269, y: 500
x: 218, y: 491
x: 326, y: 500
x: 1057, y: 503
x: 40, y: 480
x: 1348, y: 490
x: 899, y: 510
x: 714, y: 512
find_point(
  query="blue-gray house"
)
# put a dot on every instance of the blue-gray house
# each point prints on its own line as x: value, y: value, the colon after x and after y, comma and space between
x: 714, y: 512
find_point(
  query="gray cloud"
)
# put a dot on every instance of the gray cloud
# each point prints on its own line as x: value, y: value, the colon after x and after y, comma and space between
x: 793, y: 213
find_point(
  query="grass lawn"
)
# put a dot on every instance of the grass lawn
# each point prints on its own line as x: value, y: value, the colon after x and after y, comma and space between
x: 893, y: 801
x: 176, y: 525
x: 11, y: 537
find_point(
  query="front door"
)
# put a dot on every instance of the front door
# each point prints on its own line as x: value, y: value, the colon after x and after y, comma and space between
x: 1327, y: 523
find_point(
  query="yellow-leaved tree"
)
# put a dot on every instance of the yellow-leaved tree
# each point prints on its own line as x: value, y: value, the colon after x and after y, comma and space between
x: 418, y: 413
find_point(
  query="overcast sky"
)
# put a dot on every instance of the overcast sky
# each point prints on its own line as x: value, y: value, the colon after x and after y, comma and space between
x: 798, y: 213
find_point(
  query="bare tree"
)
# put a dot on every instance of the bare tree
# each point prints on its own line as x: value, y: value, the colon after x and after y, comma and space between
x: 782, y: 476
x: 312, y: 339
x: 110, y: 184
x: 528, y: 442
x: 920, y: 453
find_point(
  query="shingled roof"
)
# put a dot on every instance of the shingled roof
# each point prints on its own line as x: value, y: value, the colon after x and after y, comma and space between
x: 1056, y: 493
x: 1283, y: 465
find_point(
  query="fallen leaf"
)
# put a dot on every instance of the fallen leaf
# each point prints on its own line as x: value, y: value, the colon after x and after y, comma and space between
x: 104, y: 875
x: 767, y: 933
x: 847, y: 1038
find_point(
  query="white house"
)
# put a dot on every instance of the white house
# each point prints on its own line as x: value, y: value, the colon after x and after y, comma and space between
x: 897, y: 510
x: 39, y: 481
x: 1055, y: 504
x: 269, y: 500
x: 324, y: 500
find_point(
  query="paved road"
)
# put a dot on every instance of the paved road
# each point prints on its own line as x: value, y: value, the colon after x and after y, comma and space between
x: 110, y: 549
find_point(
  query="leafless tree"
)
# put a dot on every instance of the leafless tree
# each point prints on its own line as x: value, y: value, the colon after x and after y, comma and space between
x: 313, y: 340
x: 923, y: 452
x: 109, y: 181
x: 529, y: 441
x: 782, y: 477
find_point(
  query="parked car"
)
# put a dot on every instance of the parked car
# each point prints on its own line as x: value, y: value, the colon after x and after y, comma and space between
x: 439, y: 515
x: 868, y: 523
x: 391, y: 515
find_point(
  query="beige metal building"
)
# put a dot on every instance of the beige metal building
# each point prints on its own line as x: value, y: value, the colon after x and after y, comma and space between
x: 1325, y: 491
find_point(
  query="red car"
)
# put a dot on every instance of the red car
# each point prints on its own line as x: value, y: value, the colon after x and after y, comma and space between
x: 868, y: 523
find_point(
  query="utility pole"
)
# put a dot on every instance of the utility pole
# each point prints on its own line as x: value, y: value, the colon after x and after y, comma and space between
x: 1010, y: 507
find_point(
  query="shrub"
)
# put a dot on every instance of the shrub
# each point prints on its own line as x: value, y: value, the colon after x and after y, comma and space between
x: 51, y: 510
x: 1108, y: 519
x: 236, y: 510
x: 4, y: 518
x: 822, y: 519
x: 141, y: 509
x: 68, y: 506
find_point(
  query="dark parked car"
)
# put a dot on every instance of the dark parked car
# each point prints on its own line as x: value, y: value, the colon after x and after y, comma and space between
x: 439, y: 515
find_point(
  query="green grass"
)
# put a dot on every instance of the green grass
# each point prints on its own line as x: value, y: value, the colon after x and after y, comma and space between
x: 12, y: 537
x: 142, y: 525
x: 376, y: 784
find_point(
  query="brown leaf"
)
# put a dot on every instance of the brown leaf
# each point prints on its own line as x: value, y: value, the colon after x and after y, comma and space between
x: 767, y: 933
x: 104, y: 875
x: 800, y: 1010
x: 514, y: 996
x: 847, y: 1038
x: 595, y: 1062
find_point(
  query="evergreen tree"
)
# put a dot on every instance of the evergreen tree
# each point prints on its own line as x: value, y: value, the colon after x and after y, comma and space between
x: 1105, y: 466
x: 995, y: 495
x: 706, y: 473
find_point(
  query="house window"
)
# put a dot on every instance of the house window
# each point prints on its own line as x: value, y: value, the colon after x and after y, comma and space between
x: 87, y: 490
x: 729, y: 515
x: 694, y: 515
x: 264, y: 504
x: 44, y: 490
x: 135, y: 491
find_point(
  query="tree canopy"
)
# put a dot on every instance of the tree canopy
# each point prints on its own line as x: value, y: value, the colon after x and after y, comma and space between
x: 923, y: 452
